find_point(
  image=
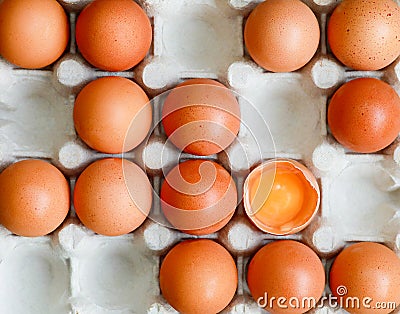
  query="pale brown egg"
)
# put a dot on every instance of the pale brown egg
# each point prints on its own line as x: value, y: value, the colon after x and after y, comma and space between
x: 112, y: 115
x: 113, y: 35
x: 34, y: 198
x: 282, y: 35
x: 201, y: 117
x: 198, y: 277
x: 366, y: 270
x: 112, y: 196
x: 198, y: 197
x: 289, y: 270
x: 365, y: 34
x: 34, y: 33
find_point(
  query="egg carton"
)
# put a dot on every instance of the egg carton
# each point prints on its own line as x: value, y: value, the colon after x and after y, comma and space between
x: 76, y: 271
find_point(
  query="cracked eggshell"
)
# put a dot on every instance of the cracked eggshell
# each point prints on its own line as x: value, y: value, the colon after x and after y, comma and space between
x: 281, y: 196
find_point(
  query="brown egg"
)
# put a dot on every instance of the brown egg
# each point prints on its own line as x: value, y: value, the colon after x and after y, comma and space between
x: 113, y: 35
x: 364, y: 115
x: 198, y: 197
x: 286, y: 269
x: 112, y: 115
x: 366, y: 270
x: 282, y: 35
x: 34, y: 33
x: 201, y: 117
x: 198, y: 277
x: 365, y: 34
x: 34, y: 198
x: 112, y: 196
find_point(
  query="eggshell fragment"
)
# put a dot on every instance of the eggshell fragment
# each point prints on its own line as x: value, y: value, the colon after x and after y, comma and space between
x: 201, y: 117
x: 198, y: 276
x: 286, y: 269
x: 112, y: 196
x: 282, y: 35
x: 34, y: 198
x: 366, y: 270
x: 34, y: 33
x: 365, y: 34
x: 198, y: 197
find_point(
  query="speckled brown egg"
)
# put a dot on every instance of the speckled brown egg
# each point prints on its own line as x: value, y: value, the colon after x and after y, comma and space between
x: 365, y: 34
x: 198, y: 277
x: 34, y: 33
x: 112, y: 196
x: 113, y: 35
x: 112, y: 115
x: 198, y: 197
x: 282, y: 35
x: 364, y: 115
x: 366, y: 270
x: 201, y: 117
x: 34, y: 198
x: 286, y: 269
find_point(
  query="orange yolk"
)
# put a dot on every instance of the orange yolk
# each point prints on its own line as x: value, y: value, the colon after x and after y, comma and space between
x: 277, y: 196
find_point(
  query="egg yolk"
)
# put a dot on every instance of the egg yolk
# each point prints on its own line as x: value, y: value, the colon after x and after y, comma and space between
x: 277, y: 196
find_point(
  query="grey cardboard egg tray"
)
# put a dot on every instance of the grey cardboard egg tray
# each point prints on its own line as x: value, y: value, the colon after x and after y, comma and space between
x: 74, y: 270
